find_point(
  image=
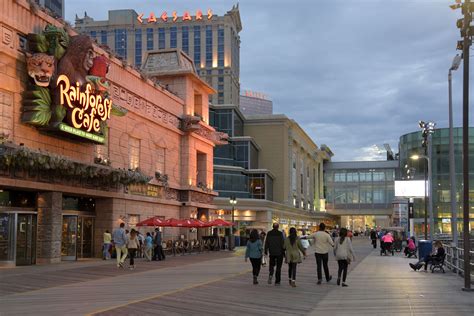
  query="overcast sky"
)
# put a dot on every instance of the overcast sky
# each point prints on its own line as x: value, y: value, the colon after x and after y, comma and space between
x: 352, y: 73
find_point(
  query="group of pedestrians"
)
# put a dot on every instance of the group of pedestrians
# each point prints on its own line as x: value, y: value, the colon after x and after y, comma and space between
x: 130, y: 244
x: 292, y: 251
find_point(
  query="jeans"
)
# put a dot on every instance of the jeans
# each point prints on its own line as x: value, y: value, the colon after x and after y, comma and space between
x: 292, y: 270
x: 121, y: 254
x: 322, y: 260
x: 256, y: 264
x: 148, y: 251
x: 374, y: 243
x: 159, y: 254
x: 278, y: 261
x: 132, y: 252
x: 342, y: 269
x: 105, y: 251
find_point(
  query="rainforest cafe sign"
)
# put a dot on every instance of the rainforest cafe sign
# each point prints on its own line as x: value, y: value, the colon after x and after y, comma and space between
x: 87, y: 110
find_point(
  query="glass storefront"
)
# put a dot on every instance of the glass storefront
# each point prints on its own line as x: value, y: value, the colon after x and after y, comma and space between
x: 7, y: 237
x: 17, y: 238
x: 77, y: 237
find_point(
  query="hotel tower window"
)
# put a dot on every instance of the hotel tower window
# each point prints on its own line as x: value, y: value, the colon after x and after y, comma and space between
x: 185, y: 39
x: 138, y: 47
x: 208, y: 45
x: 220, y: 46
x: 134, y: 153
x: 103, y: 37
x: 121, y: 42
x: 197, y: 46
x: 173, y: 37
x: 149, y: 39
x: 161, y: 38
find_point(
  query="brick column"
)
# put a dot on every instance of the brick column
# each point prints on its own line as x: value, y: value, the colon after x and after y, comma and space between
x: 50, y: 222
x: 104, y: 211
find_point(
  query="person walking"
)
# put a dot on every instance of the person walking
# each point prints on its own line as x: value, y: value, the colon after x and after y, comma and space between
x: 322, y: 244
x: 263, y: 236
x: 254, y: 251
x: 120, y: 241
x: 158, y: 255
x: 106, y: 246
x: 373, y: 238
x: 148, y: 246
x: 344, y: 254
x: 293, y: 249
x: 133, y: 245
x: 274, y: 246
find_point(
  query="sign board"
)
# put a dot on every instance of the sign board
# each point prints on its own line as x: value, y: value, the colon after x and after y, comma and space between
x: 174, y: 17
x: 410, y: 188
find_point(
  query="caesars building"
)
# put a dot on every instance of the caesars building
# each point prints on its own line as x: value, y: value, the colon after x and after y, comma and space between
x: 88, y: 142
x: 212, y: 41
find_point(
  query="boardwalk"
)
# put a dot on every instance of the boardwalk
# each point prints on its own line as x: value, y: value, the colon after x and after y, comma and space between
x: 219, y: 283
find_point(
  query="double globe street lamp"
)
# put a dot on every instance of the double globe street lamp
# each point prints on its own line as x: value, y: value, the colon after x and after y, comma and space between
x: 233, y: 202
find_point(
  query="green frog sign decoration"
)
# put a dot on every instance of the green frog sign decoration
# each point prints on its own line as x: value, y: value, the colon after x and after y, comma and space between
x: 68, y: 91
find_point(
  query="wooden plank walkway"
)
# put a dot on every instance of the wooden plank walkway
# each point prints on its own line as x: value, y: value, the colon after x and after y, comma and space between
x: 219, y: 283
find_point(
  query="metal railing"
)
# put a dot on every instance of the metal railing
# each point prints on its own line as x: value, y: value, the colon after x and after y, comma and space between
x: 455, y: 260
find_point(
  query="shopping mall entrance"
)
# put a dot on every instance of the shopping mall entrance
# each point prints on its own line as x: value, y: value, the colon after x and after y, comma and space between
x: 26, y: 239
x: 78, y: 228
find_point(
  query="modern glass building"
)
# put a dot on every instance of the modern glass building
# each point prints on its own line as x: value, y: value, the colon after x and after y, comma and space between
x: 361, y: 192
x: 410, y: 144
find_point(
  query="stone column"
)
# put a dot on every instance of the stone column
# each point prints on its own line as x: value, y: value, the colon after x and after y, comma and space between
x: 104, y: 220
x: 50, y: 220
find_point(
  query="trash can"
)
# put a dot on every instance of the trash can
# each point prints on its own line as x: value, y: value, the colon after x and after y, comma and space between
x: 424, y: 248
x: 237, y: 241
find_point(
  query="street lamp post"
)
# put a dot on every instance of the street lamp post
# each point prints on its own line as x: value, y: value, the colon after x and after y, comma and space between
x: 233, y: 202
x: 452, y: 171
x: 428, y: 195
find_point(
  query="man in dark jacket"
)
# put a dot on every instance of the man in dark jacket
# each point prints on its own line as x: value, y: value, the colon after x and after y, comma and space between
x: 274, y: 246
x: 159, y: 254
x: 373, y: 237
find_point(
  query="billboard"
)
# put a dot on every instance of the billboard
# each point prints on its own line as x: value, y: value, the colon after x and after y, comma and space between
x: 410, y: 188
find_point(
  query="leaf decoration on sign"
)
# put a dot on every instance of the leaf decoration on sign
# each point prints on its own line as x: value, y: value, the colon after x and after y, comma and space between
x: 37, y: 43
x: 58, y: 40
x: 37, y: 107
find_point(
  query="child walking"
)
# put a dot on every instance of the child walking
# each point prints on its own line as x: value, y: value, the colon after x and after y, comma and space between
x: 293, y: 249
x: 344, y: 254
x: 254, y: 251
x: 133, y: 245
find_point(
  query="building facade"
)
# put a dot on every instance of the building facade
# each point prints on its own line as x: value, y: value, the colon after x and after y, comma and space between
x: 212, y: 42
x: 361, y: 192
x: 271, y: 167
x: 83, y: 149
x: 410, y: 144
x: 56, y: 6
x: 254, y: 103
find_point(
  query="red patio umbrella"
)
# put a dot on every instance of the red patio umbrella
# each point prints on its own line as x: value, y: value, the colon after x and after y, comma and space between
x: 192, y: 222
x: 173, y: 222
x: 152, y: 221
x: 220, y: 223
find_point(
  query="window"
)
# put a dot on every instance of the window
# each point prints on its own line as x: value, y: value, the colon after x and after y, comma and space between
x: 103, y: 37
x: 149, y: 39
x: 121, y: 42
x: 138, y: 47
x: 293, y: 172
x: 220, y: 87
x: 379, y: 196
x: 365, y: 176
x: 379, y: 176
x: 220, y: 46
x: 208, y: 45
x: 185, y: 39
x: 220, y: 79
x: 173, y: 37
x: 352, y: 177
x: 161, y: 38
x: 339, y: 177
x: 257, y: 186
x: 134, y: 153
x: 197, y: 46
x: 160, y: 160
x: 93, y: 35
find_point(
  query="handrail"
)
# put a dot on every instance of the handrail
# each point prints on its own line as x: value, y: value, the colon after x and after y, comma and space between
x: 455, y: 260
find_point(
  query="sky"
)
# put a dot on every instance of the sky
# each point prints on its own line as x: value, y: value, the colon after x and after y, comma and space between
x: 355, y: 74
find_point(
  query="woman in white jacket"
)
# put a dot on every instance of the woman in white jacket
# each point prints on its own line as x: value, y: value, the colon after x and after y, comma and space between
x: 344, y: 254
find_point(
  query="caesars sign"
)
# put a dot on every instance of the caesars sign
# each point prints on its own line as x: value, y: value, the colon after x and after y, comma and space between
x: 68, y: 93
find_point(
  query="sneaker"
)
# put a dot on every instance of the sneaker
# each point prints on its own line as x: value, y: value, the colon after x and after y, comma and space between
x: 344, y: 284
x: 319, y: 282
x: 413, y: 266
x: 277, y: 284
x: 338, y: 281
x: 120, y: 265
x: 293, y: 283
x: 329, y: 279
x: 255, y: 280
x: 270, y: 279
